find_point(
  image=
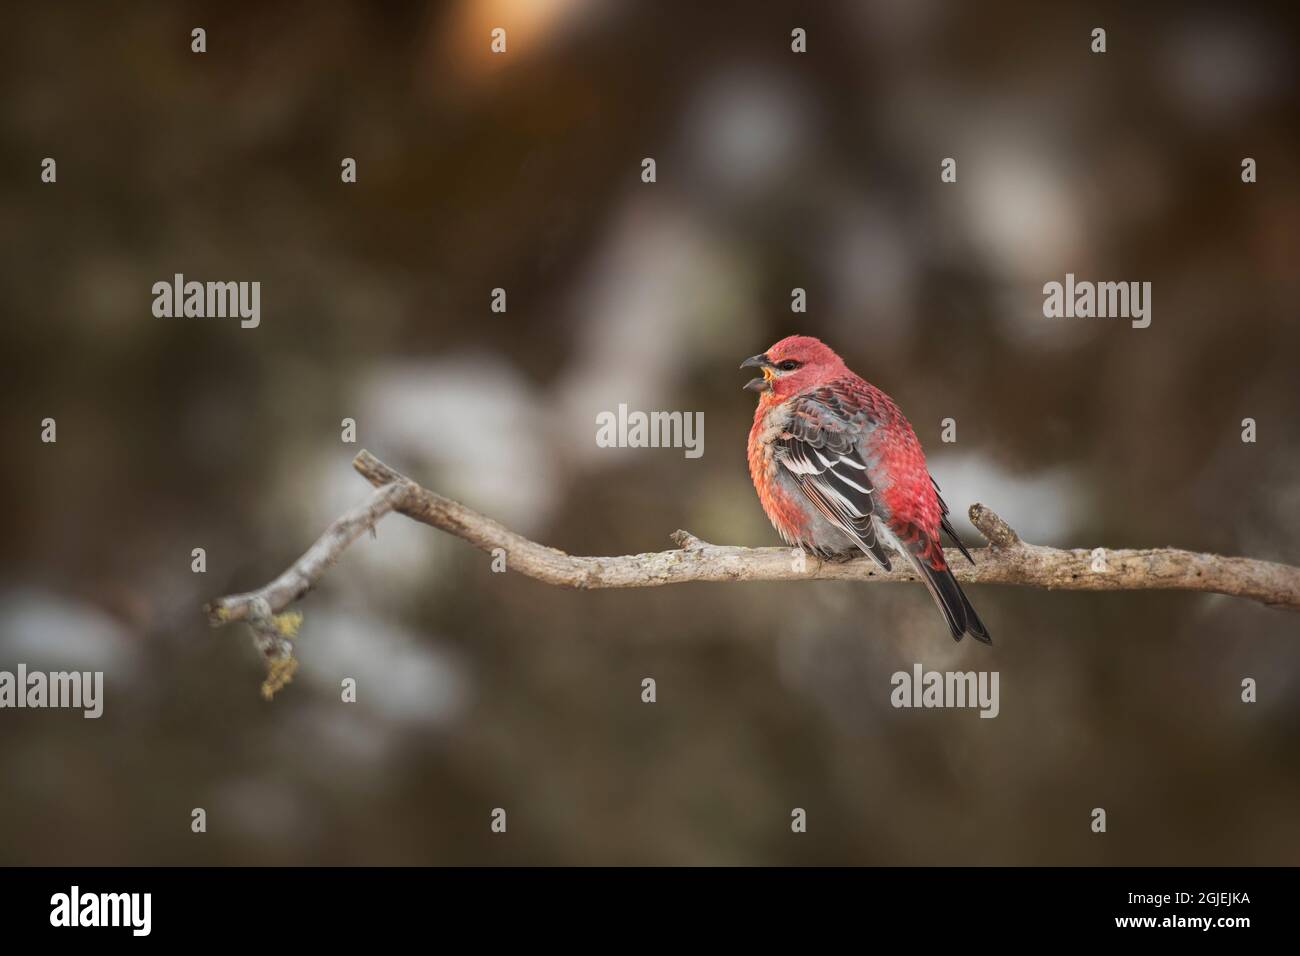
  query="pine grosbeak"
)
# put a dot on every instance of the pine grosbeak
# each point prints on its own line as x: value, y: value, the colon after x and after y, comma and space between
x: 838, y: 469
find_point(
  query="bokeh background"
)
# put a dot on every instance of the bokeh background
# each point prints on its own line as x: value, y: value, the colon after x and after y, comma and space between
x: 522, y: 171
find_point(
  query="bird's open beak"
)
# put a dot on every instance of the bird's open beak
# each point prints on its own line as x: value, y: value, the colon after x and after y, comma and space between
x: 761, y: 362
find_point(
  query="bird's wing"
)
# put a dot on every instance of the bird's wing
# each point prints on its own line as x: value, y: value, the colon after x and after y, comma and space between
x: 946, y: 525
x: 819, y: 450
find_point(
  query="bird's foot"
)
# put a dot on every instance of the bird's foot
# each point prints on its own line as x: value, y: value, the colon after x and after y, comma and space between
x: 841, y: 557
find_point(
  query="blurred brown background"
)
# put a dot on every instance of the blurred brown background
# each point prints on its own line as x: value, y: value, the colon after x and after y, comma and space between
x: 775, y: 170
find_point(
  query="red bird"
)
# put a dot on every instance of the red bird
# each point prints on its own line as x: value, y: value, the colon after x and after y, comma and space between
x: 838, y: 469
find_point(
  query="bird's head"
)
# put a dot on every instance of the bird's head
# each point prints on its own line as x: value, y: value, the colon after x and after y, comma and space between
x: 792, y: 365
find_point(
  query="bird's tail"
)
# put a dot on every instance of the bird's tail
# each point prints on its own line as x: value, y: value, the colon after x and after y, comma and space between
x: 952, y: 601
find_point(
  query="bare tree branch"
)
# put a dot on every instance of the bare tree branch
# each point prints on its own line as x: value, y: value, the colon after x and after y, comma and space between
x: 1007, y: 560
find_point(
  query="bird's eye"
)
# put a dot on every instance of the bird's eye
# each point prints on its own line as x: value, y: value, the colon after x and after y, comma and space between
x: 789, y: 365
